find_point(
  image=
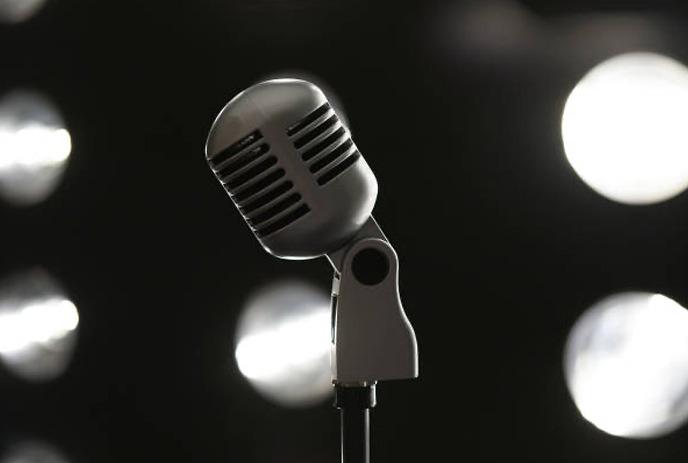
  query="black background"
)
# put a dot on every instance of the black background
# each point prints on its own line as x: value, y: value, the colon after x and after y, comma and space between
x: 502, y: 246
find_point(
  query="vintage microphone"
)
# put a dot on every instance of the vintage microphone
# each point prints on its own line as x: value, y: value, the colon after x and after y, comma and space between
x: 297, y: 178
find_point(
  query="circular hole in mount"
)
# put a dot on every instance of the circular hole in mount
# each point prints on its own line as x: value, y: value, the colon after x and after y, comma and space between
x: 370, y: 266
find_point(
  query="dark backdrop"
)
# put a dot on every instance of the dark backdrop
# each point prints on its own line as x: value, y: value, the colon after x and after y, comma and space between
x: 502, y: 246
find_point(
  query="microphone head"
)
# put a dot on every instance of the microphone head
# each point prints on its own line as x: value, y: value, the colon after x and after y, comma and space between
x: 291, y: 168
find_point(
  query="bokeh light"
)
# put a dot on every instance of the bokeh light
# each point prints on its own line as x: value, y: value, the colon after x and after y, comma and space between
x: 283, y: 343
x: 34, y: 148
x: 494, y: 29
x: 38, y: 326
x: 16, y: 11
x: 32, y: 452
x: 626, y: 365
x: 624, y: 128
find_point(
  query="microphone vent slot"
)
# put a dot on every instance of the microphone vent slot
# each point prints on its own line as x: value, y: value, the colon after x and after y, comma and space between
x: 339, y: 168
x: 309, y: 119
x: 265, y: 198
x: 258, y: 186
x: 285, y: 220
x: 274, y: 210
x: 234, y: 149
x: 324, y: 144
x: 318, y: 130
x: 235, y: 181
x: 268, y: 201
x: 320, y: 146
x: 256, y: 183
x: 242, y: 161
x: 330, y: 157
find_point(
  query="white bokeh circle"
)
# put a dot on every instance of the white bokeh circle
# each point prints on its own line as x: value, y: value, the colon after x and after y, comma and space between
x: 626, y: 365
x: 17, y: 11
x: 38, y: 326
x: 35, y: 146
x: 283, y: 343
x: 624, y: 128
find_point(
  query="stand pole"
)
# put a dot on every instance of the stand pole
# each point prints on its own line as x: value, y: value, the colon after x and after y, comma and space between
x: 354, y: 403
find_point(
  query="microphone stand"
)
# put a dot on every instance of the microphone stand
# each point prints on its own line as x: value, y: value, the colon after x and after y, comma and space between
x: 372, y: 340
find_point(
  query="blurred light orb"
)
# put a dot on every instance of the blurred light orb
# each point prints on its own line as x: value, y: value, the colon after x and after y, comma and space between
x: 282, y: 344
x: 501, y: 27
x: 626, y: 365
x: 32, y: 452
x: 34, y: 148
x: 38, y: 326
x: 16, y: 11
x: 624, y: 128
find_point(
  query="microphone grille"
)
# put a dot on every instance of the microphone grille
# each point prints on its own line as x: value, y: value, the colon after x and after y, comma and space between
x: 330, y: 156
x: 291, y: 168
x: 250, y: 174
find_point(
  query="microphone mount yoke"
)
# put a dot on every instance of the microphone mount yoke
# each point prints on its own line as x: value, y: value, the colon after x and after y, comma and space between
x: 372, y: 340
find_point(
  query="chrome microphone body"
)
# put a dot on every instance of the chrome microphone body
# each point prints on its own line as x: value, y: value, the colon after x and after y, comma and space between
x: 291, y: 168
x: 296, y: 176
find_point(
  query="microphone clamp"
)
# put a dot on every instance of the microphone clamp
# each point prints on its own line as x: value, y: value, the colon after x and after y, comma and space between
x: 372, y: 340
